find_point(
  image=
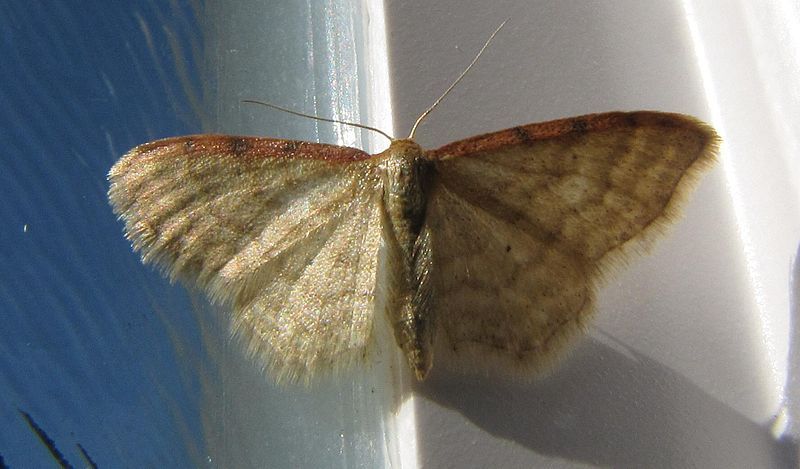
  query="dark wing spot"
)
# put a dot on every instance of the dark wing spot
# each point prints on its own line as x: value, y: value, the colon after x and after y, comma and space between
x: 668, y: 122
x: 239, y: 146
x: 631, y: 120
x: 289, y: 146
x: 579, y: 125
x: 522, y: 135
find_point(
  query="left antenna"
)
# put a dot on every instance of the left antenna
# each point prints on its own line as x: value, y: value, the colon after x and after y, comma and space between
x: 323, y: 119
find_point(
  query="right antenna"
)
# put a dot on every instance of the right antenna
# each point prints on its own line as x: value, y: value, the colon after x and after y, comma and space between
x: 448, y: 90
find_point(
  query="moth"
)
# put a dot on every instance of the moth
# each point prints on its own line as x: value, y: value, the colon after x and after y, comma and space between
x: 484, y: 252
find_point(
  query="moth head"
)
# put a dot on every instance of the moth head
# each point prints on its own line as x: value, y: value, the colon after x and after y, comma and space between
x: 405, y: 149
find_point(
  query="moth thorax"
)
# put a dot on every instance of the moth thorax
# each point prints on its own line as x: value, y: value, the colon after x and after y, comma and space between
x: 405, y: 171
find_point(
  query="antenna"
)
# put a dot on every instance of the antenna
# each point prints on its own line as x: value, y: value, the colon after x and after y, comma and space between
x: 324, y: 119
x: 436, y: 103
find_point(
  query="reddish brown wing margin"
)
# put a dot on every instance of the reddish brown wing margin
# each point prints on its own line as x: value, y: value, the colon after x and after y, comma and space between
x: 562, y: 127
x: 249, y: 147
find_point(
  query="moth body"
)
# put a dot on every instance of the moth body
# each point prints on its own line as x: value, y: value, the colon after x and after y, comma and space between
x: 406, y: 174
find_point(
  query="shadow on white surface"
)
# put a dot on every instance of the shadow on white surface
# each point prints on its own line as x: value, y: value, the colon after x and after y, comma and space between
x: 608, y: 408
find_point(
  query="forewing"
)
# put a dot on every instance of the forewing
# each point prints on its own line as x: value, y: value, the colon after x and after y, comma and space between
x: 285, y: 233
x: 524, y: 221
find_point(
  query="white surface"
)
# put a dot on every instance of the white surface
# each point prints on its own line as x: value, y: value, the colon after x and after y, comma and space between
x: 686, y: 363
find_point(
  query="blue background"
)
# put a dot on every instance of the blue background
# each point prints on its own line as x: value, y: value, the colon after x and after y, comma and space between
x: 99, y: 350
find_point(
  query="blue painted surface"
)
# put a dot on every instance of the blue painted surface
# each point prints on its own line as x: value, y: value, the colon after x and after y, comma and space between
x: 98, y: 349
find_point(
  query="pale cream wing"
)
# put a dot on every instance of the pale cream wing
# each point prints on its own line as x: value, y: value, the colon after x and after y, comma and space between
x: 524, y: 222
x: 285, y: 233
